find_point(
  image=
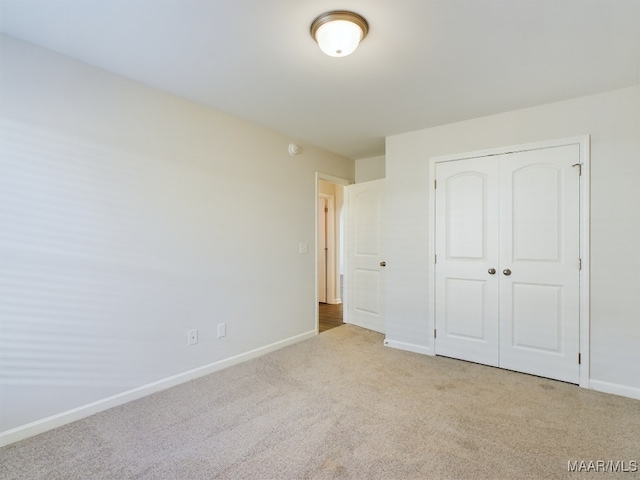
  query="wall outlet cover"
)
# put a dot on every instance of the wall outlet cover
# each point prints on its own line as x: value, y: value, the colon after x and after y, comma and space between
x: 192, y: 337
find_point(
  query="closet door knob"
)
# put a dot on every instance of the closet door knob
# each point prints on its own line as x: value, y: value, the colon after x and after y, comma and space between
x: 507, y: 272
x: 492, y: 271
x: 383, y: 264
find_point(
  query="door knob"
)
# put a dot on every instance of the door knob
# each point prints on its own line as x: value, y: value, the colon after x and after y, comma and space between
x: 507, y: 272
x: 383, y: 264
x: 492, y: 271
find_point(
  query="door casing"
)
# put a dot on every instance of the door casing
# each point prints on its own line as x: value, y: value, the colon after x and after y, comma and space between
x: 338, y: 181
x: 584, y: 145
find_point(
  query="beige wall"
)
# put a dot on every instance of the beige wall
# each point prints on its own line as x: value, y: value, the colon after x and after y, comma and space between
x: 613, y: 121
x: 327, y: 188
x: 368, y: 169
x: 128, y: 217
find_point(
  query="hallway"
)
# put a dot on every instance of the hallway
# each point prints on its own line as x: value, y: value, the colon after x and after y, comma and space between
x: 330, y: 316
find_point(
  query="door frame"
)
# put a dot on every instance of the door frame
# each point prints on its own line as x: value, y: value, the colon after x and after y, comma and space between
x: 583, y: 143
x: 345, y: 183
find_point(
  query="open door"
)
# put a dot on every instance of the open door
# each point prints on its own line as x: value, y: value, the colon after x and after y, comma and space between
x: 364, y: 270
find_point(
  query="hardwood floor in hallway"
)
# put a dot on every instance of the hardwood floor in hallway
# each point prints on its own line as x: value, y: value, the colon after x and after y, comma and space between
x: 330, y: 316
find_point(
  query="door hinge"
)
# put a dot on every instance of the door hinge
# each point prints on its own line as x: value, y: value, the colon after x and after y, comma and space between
x: 579, y: 359
x: 326, y: 209
x: 579, y: 165
x: 435, y: 259
x: 434, y: 333
x: 435, y: 184
x: 579, y: 264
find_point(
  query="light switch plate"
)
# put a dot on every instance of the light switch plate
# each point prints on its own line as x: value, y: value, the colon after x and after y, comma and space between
x: 222, y: 330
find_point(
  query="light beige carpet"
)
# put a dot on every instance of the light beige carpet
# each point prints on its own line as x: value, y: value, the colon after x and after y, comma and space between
x: 343, y: 406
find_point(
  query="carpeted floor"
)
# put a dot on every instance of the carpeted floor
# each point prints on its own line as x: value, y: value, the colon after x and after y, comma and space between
x: 341, y: 405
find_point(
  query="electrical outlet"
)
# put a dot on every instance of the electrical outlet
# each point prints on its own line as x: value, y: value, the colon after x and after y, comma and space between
x: 222, y: 330
x: 192, y: 337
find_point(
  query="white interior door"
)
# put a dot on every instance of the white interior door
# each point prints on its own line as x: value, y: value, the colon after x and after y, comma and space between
x: 467, y: 249
x: 507, y: 271
x: 364, y: 276
x: 540, y: 247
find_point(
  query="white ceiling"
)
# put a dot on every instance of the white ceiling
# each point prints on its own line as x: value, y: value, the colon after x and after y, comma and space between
x: 424, y: 63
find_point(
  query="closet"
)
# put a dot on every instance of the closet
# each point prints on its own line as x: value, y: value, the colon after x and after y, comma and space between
x: 507, y: 264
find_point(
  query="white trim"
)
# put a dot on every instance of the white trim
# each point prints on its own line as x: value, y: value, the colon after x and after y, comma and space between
x: 431, y: 293
x: 49, y: 423
x: 585, y: 255
x: 332, y: 179
x: 583, y: 142
x: 409, y: 347
x: 513, y: 149
x: 615, y: 389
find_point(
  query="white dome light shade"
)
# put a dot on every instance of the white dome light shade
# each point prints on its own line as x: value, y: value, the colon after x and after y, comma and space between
x: 339, y: 38
x: 339, y: 33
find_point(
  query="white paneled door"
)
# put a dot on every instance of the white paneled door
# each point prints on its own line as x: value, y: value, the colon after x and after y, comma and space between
x: 540, y: 246
x: 365, y: 260
x: 467, y: 236
x: 507, y: 269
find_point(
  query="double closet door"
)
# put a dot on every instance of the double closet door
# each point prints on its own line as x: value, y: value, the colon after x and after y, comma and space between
x: 508, y: 261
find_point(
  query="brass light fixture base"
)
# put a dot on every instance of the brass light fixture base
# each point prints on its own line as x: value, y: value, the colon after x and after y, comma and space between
x: 339, y: 15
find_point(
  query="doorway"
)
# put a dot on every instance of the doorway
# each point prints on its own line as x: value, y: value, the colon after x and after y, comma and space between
x: 330, y: 253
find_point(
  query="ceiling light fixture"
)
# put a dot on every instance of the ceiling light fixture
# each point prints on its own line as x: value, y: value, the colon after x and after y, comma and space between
x: 339, y: 32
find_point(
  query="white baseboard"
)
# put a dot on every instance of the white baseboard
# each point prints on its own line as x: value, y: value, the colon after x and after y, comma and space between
x: 410, y: 347
x: 614, y: 388
x: 335, y: 301
x: 49, y: 423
